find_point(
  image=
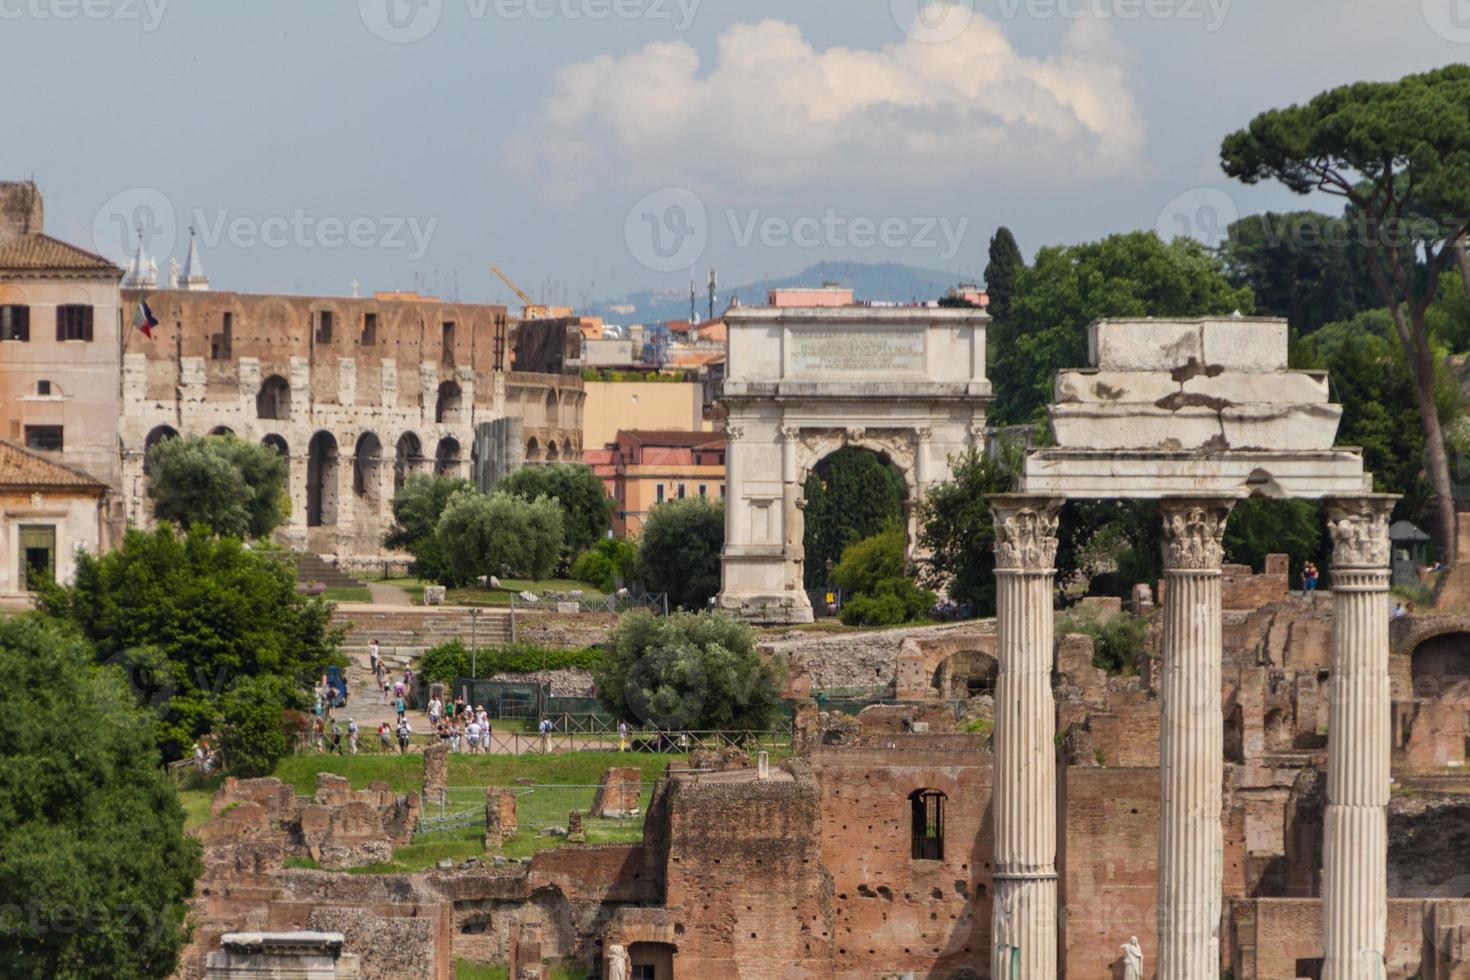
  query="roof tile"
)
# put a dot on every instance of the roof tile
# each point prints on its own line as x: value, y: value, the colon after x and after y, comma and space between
x: 38, y: 252
x: 24, y: 469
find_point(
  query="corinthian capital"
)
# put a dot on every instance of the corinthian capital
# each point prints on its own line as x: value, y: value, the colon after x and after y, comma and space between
x: 1194, y: 531
x: 1359, y: 529
x: 1025, y: 532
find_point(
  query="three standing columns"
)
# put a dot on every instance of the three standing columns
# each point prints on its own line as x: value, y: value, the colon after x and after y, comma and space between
x: 1191, y: 749
x: 1024, y: 917
x: 1355, y: 848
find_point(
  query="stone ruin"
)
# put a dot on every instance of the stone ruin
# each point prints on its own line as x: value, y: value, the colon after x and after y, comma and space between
x: 619, y: 793
x: 298, y: 955
x: 337, y: 826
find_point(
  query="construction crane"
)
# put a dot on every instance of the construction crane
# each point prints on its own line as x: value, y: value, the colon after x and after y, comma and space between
x: 532, y: 310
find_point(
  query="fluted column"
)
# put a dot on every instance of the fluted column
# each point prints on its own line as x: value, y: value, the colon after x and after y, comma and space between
x: 1191, y: 740
x: 1024, y: 916
x: 1355, y: 846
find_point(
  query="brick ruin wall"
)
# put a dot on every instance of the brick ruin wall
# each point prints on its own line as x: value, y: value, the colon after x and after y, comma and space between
x: 355, y: 410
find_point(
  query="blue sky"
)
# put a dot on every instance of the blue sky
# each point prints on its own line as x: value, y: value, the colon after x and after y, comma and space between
x: 314, y: 142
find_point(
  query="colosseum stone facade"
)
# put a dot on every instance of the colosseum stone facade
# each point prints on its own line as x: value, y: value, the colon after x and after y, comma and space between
x: 358, y: 394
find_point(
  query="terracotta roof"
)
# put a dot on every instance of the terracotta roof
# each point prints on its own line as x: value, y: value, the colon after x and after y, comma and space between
x: 21, y: 468
x: 44, y: 252
x: 681, y: 438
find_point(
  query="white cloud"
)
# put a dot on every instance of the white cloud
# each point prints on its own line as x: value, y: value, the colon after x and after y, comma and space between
x: 774, y: 113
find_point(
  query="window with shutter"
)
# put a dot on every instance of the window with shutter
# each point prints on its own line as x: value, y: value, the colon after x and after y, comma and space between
x: 15, y: 323
x: 74, y: 322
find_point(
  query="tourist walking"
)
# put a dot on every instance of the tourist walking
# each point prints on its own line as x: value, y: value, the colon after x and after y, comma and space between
x: 404, y: 731
x: 622, y: 735
x: 472, y: 736
x: 352, y: 733
x: 375, y: 660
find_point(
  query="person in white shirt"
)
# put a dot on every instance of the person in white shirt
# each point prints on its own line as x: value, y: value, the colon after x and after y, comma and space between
x: 352, y: 731
x: 472, y: 735
x: 436, y: 708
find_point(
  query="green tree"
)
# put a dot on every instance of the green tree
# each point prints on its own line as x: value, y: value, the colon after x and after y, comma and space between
x: 1006, y: 263
x: 253, y: 728
x: 880, y: 590
x: 417, y: 507
x: 228, y: 485
x: 95, y: 866
x: 956, y: 528
x: 1399, y: 154
x: 688, y: 672
x: 1302, y: 265
x: 499, y: 534
x: 605, y: 563
x: 581, y: 494
x: 1260, y: 526
x: 850, y: 495
x: 1132, y: 275
x: 190, y: 616
x: 679, y: 551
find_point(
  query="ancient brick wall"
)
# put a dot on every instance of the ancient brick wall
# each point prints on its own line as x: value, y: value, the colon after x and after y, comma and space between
x: 745, y: 877
x: 892, y: 912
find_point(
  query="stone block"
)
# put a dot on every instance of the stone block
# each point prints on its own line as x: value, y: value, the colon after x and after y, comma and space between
x: 1235, y: 387
x: 436, y: 769
x: 1245, y: 345
x: 1114, y: 387
x: 434, y: 595
x: 1284, y: 428
x: 1144, y: 345
x: 618, y: 793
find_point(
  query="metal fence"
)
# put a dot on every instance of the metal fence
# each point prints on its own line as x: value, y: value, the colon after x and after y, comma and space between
x: 538, y: 807
x: 560, y: 602
x: 562, y: 742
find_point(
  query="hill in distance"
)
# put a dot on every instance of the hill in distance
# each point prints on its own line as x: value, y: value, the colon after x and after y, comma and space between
x: 869, y: 281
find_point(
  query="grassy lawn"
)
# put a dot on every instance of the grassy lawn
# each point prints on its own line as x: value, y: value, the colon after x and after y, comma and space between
x: 472, y: 970
x: 406, y: 772
x: 501, y: 596
x: 347, y: 593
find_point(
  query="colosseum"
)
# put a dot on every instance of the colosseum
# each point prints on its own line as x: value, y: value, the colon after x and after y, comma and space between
x: 357, y: 393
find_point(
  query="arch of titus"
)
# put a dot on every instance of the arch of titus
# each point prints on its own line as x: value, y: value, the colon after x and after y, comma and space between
x: 1195, y: 414
x: 802, y: 382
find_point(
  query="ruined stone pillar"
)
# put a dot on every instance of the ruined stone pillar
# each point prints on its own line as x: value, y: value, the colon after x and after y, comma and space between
x: 1355, y: 844
x: 1024, y: 916
x: 1191, y: 741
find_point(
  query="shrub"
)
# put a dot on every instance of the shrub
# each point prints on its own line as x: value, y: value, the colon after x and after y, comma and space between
x: 605, y: 562
x: 688, y: 671
x: 453, y: 659
x: 880, y: 593
x: 1117, y: 639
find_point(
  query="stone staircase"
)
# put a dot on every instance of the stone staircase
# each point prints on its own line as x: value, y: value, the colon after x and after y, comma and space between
x: 404, y: 632
x: 314, y: 568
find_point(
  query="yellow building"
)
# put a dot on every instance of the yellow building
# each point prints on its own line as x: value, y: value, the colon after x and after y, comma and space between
x: 613, y: 406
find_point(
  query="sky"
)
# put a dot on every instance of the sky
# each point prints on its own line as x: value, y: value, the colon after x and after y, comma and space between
x: 591, y: 148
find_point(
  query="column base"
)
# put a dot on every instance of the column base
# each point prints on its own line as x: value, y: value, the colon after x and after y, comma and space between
x: 769, y: 609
